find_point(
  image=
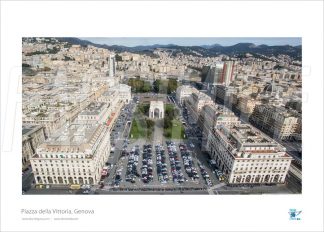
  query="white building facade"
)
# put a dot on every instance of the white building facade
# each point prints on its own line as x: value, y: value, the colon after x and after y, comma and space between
x: 184, y: 92
x: 156, y: 110
x: 75, y: 154
x: 124, y: 92
x: 195, y: 102
x: 247, y: 156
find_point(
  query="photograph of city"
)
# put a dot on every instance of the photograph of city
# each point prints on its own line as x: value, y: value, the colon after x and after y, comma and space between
x: 169, y: 115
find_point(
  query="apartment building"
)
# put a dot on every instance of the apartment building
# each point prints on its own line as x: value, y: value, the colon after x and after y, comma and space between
x: 246, y: 104
x: 213, y: 116
x: 276, y: 121
x: 195, y: 102
x: 32, y: 137
x: 75, y: 154
x: 124, y: 92
x: 183, y: 92
x: 247, y: 156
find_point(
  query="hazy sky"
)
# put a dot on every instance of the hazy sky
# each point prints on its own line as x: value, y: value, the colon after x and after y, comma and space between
x: 190, y: 41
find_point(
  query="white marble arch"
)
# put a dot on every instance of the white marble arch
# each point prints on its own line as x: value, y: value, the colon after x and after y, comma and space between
x: 156, y: 106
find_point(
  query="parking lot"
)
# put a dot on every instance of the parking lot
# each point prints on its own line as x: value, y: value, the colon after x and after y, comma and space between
x: 146, y: 164
x: 167, y: 165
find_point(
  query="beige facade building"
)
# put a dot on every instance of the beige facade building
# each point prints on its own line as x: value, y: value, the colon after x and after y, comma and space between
x: 32, y: 137
x: 124, y: 92
x: 246, y: 104
x: 212, y: 116
x: 115, y: 98
x: 183, y: 92
x: 51, y: 121
x: 247, y: 156
x: 75, y: 154
x: 195, y: 103
x: 277, y: 122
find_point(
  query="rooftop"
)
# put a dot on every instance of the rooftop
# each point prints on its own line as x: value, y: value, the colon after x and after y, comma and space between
x: 121, y: 87
x: 28, y: 129
x: 73, y: 138
x: 245, y: 133
x: 93, y: 108
x: 73, y: 134
x: 201, y: 96
x: 245, y: 139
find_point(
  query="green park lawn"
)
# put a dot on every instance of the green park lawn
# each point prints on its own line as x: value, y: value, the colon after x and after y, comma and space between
x: 141, y: 126
x: 176, y: 131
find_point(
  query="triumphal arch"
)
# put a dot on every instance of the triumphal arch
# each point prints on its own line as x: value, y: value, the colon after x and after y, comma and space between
x: 156, y: 110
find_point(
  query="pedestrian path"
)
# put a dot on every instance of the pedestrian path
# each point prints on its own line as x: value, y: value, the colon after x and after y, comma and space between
x: 158, y: 131
x: 211, y: 190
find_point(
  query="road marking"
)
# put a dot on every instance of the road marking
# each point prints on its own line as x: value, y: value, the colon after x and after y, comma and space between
x: 217, y: 186
x: 210, y: 191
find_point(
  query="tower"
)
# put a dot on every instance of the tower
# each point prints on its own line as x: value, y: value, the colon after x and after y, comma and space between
x: 227, y: 75
x: 112, y: 65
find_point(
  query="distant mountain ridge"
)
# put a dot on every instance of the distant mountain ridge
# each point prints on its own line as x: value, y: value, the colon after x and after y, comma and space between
x: 204, y: 50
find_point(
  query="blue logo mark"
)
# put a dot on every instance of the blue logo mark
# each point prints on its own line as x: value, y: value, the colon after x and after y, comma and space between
x: 294, y: 214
